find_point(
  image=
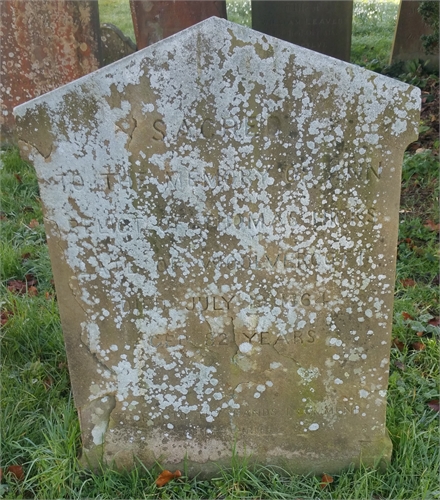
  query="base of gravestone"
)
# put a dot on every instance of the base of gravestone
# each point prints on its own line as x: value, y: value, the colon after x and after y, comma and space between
x: 372, y: 454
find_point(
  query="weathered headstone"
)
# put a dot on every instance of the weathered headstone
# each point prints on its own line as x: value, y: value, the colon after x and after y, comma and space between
x: 114, y: 44
x: 45, y: 44
x: 320, y: 25
x: 221, y: 211
x: 153, y: 21
x: 407, y: 44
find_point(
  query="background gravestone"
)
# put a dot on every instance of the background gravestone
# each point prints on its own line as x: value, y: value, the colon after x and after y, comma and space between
x: 156, y: 20
x: 221, y: 211
x: 114, y: 44
x: 45, y: 44
x: 323, y: 26
x: 407, y: 44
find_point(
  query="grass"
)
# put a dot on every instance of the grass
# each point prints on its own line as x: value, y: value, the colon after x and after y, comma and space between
x: 374, y: 23
x: 39, y: 425
x: 117, y: 12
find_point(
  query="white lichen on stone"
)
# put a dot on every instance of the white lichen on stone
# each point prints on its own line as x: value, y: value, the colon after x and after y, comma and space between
x: 222, y: 204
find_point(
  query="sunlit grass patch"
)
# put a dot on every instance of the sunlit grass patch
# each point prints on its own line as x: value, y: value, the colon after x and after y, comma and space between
x: 117, y: 12
x: 374, y: 23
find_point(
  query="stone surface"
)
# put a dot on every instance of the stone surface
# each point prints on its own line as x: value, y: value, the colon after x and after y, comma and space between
x: 114, y: 44
x: 407, y: 44
x: 221, y: 211
x: 154, y: 21
x: 323, y: 26
x: 45, y: 44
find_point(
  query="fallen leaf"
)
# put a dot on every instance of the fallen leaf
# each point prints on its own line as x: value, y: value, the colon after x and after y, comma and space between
x: 418, y: 346
x: 32, y: 291
x: 48, y: 383
x: 30, y: 280
x: 400, y: 365
x: 407, y: 282
x: 20, y: 286
x: 3, y: 216
x: 33, y: 223
x: 434, y: 405
x: 17, y: 471
x: 434, y: 321
x: 18, y: 177
x: 399, y: 344
x: 5, y: 315
x: 17, y: 286
x: 26, y: 256
x: 166, y: 476
x: 432, y: 226
x: 1, y: 474
x: 406, y: 316
x: 326, y: 479
x: 420, y: 334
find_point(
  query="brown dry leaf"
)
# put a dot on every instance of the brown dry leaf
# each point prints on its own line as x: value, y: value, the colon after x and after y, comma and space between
x: 434, y: 321
x: 166, y: 476
x: 432, y: 226
x: 30, y: 280
x: 17, y: 286
x: 418, y: 346
x: 48, y: 383
x: 20, y: 286
x: 400, y: 365
x: 326, y: 479
x: 32, y: 291
x: 18, y: 177
x: 398, y: 343
x: 420, y: 334
x: 5, y: 315
x: 406, y: 316
x: 33, y: 223
x: 17, y: 471
x: 407, y: 282
x: 434, y: 405
x: 1, y: 474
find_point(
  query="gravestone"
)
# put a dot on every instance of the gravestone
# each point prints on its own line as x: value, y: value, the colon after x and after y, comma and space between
x: 221, y: 211
x: 114, y: 44
x: 320, y: 25
x: 407, y: 44
x: 154, y: 21
x: 45, y: 44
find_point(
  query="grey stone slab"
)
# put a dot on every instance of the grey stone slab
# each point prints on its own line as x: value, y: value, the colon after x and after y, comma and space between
x: 321, y: 25
x: 407, y: 43
x: 222, y: 210
x: 114, y: 44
